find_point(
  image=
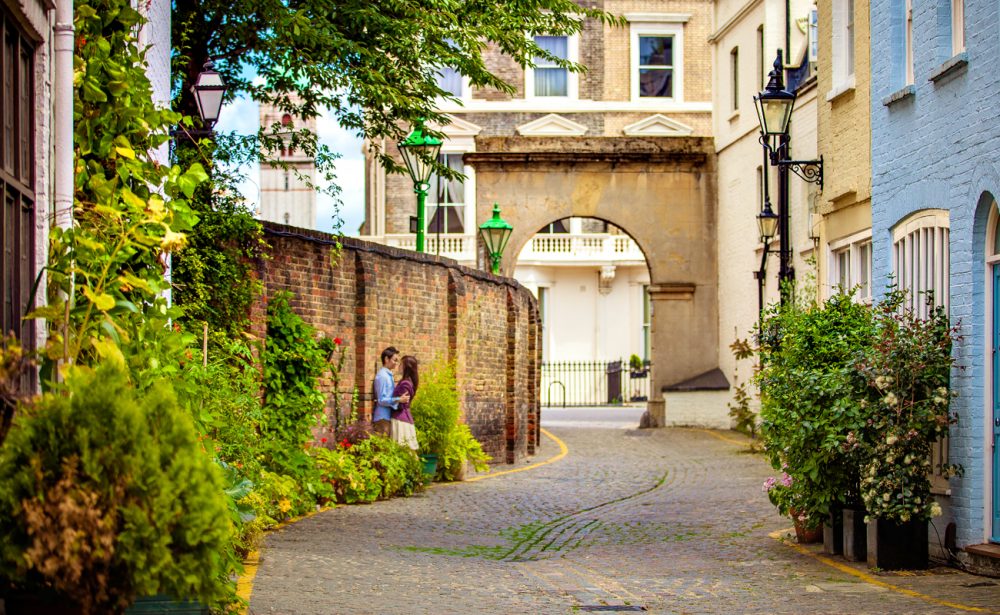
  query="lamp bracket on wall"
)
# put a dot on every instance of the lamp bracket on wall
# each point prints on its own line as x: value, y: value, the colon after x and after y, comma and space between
x: 809, y: 170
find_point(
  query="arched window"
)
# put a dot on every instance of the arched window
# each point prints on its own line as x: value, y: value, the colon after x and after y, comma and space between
x: 286, y: 120
x: 921, y: 260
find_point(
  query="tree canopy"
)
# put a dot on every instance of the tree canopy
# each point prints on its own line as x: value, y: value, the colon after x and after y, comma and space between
x: 374, y: 64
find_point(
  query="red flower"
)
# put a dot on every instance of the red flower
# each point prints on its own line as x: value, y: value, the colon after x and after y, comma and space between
x: 345, y: 443
x: 323, y: 440
x: 338, y: 341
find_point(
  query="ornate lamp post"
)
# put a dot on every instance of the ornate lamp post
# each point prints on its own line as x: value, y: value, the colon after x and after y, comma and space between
x: 774, y: 111
x: 419, y: 151
x: 495, y: 233
x: 209, y: 89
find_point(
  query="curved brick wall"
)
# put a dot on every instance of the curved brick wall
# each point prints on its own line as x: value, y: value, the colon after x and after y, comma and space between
x: 373, y: 296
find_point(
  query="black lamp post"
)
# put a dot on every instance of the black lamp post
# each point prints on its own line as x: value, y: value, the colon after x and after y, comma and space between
x: 495, y: 233
x: 419, y: 151
x: 774, y: 111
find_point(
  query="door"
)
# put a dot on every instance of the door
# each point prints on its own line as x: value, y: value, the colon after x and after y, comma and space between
x: 995, y: 535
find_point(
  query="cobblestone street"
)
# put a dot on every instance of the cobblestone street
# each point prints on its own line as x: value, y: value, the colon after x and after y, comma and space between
x: 661, y: 521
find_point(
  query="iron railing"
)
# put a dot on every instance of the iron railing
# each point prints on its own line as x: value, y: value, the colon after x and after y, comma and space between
x: 593, y: 383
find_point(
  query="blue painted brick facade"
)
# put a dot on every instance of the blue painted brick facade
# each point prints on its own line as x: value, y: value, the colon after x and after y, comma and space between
x: 939, y: 148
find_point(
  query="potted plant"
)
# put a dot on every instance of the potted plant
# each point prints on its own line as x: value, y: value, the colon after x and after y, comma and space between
x: 637, y: 367
x: 791, y: 502
x: 907, y: 370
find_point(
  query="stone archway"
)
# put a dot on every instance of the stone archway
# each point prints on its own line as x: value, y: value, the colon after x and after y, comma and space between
x: 661, y: 191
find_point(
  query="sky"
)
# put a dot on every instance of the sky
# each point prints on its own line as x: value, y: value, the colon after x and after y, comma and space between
x: 242, y: 116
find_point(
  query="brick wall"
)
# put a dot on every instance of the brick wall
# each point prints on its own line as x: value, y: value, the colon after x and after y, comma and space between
x: 373, y: 296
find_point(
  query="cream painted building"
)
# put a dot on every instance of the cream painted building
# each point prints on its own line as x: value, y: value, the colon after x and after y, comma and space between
x: 744, y: 45
x: 845, y: 227
x: 287, y: 190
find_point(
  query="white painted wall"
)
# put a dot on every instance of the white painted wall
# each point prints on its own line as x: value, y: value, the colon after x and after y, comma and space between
x: 581, y: 322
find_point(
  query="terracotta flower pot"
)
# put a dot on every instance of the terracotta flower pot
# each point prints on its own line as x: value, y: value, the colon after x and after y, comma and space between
x: 806, y: 535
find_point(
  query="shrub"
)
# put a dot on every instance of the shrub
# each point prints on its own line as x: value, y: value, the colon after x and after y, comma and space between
x: 907, y: 372
x: 809, y: 396
x: 106, y: 495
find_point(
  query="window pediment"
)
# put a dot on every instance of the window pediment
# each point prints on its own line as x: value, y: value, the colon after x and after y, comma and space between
x: 658, y: 126
x: 552, y: 125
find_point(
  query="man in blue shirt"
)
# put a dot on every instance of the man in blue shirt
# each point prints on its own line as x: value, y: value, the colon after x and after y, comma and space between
x: 383, y: 387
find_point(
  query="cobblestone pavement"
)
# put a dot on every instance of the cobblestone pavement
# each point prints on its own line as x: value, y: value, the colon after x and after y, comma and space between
x: 661, y: 521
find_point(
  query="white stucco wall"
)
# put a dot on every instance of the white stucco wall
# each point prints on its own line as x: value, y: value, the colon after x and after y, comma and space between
x: 583, y: 324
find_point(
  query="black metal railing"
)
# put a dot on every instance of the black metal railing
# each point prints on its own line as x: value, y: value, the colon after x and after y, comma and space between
x: 593, y: 383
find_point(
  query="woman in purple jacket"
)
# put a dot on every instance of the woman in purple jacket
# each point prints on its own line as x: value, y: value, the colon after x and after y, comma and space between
x: 403, y: 430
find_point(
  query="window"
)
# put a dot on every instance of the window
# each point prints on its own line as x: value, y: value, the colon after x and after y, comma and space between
x: 813, y: 35
x: 851, y: 266
x: 843, y: 44
x: 17, y: 180
x: 761, y: 59
x: 286, y: 181
x: 920, y: 259
x: 657, y: 61
x: 647, y: 318
x: 450, y: 80
x: 908, y: 38
x: 734, y: 71
x: 559, y: 226
x: 849, y: 38
x: 447, y: 198
x: 957, y: 26
x: 548, y: 79
x: 543, y: 316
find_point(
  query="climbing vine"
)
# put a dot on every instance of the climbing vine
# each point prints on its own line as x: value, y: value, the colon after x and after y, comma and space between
x: 129, y: 209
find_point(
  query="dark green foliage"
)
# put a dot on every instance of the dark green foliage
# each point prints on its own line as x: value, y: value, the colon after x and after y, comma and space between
x: 105, y: 495
x: 810, y: 396
x: 294, y: 358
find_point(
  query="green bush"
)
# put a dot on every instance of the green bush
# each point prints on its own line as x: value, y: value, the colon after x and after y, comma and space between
x: 810, y: 397
x: 435, y: 414
x: 106, y: 495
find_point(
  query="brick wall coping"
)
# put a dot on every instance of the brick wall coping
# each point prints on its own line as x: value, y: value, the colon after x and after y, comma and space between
x: 327, y: 239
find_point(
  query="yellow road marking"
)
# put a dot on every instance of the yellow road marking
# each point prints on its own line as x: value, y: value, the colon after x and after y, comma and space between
x: 722, y: 437
x: 563, y: 451
x: 867, y: 578
x: 244, y: 585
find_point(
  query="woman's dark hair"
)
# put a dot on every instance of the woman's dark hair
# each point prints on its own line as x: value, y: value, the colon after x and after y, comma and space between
x: 410, y: 371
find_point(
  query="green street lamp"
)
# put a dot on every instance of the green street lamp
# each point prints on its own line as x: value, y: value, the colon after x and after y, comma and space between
x: 419, y: 151
x: 495, y: 233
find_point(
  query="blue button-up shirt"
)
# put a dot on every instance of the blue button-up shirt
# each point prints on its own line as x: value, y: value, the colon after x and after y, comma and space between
x: 385, y: 402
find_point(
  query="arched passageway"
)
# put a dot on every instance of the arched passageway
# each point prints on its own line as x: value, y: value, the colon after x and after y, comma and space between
x: 662, y: 196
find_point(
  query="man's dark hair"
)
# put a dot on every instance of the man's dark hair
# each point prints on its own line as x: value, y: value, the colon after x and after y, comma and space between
x: 389, y: 353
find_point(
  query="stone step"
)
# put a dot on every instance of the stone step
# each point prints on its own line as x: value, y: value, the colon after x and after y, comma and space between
x: 983, y: 559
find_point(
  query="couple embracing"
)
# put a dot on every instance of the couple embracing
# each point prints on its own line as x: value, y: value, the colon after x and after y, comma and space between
x: 392, y: 415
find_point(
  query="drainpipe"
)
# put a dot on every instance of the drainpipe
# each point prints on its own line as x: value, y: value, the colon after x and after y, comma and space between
x: 788, y: 33
x: 62, y: 102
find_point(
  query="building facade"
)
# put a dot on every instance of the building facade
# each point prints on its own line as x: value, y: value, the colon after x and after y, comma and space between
x: 845, y: 228
x: 744, y: 45
x: 608, y: 178
x: 935, y: 177
x: 287, y: 182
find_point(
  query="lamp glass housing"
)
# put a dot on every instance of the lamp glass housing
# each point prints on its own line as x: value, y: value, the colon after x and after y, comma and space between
x: 767, y: 223
x: 209, y: 90
x: 774, y: 111
x: 495, y: 233
x: 419, y: 151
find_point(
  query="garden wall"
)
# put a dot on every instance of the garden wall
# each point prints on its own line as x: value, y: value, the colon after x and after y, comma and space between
x: 372, y: 296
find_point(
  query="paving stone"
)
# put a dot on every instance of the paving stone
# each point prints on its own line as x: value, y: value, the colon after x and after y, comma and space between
x: 672, y: 521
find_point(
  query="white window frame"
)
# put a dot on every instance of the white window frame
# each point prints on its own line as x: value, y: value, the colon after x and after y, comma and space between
x: 842, y: 46
x: 957, y: 27
x: 572, y: 79
x: 854, y: 248
x: 675, y: 30
x: 921, y: 258
x: 459, y: 146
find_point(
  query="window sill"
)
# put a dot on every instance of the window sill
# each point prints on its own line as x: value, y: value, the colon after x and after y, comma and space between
x: 840, y: 90
x: 951, y: 66
x: 735, y: 115
x: 905, y: 92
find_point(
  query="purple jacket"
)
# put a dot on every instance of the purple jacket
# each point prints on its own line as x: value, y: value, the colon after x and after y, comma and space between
x: 402, y: 412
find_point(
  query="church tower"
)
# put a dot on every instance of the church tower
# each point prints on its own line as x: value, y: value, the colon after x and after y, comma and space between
x: 285, y: 194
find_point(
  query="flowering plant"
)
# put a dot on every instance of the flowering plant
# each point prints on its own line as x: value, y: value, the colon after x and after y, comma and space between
x: 907, y: 370
x: 787, y: 495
